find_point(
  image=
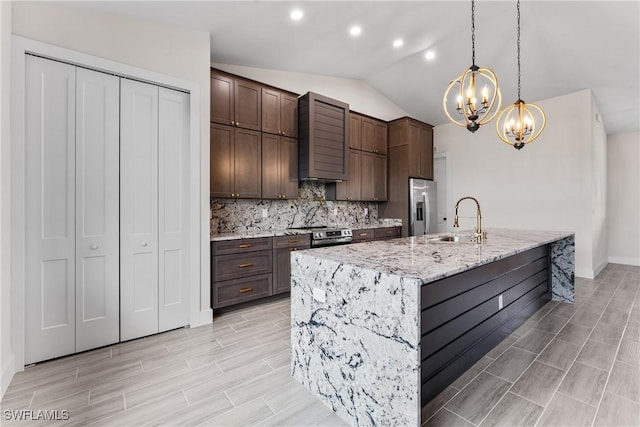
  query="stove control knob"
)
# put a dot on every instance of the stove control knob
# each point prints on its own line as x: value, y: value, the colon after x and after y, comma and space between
x: 316, y: 235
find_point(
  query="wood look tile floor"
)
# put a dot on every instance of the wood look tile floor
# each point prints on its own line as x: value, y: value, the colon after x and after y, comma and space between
x: 568, y: 365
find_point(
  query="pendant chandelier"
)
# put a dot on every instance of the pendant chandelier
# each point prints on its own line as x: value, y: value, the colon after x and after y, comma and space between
x: 469, y: 112
x: 516, y: 124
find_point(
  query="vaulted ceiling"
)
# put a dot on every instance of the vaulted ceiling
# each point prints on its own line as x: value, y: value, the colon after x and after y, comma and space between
x: 566, y: 45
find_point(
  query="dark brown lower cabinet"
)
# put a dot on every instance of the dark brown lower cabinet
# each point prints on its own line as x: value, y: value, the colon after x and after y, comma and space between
x: 370, y: 234
x: 282, y: 248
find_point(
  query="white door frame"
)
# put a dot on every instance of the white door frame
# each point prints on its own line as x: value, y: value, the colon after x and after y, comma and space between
x: 443, y: 155
x: 22, y: 46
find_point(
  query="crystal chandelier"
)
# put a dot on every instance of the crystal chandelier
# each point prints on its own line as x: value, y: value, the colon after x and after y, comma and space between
x: 472, y: 111
x: 516, y: 124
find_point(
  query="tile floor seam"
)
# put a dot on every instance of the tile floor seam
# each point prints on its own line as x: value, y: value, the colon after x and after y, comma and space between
x: 458, y: 415
x: 615, y: 357
x: 229, y: 398
x: 577, y: 400
x: 445, y: 403
x: 185, y: 397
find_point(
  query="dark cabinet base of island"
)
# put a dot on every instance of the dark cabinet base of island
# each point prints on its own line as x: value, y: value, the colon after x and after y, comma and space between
x: 464, y: 316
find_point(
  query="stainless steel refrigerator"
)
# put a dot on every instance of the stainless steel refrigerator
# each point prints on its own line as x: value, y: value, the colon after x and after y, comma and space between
x: 423, y: 207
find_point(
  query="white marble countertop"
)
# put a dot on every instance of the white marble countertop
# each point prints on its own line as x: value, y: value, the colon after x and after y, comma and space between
x: 382, y: 223
x: 428, y: 260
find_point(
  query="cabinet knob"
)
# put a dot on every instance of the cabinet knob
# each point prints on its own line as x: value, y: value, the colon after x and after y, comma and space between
x: 232, y: 123
x: 93, y: 247
x: 144, y: 244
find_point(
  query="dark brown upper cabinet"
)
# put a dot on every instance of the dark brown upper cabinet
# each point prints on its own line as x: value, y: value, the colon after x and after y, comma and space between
x: 279, y: 167
x: 279, y: 113
x: 355, y: 131
x: 367, y: 134
x: 323, y: 131
x: 417, y: 137
x: 351, y: 189
x: 235, y: 102
x: 236, y: 162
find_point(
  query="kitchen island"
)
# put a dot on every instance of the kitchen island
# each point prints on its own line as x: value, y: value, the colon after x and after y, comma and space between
x: 378, y: 329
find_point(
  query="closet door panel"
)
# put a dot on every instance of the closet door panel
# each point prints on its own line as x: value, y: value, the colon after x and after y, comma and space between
x: 50, y: 206
x: 173, y: 202
x: 138, y: 210
x: 97, y: 213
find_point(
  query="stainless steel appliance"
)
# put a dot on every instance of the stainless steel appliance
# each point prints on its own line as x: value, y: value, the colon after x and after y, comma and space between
x: 325, y: 236
x: 423, y: 207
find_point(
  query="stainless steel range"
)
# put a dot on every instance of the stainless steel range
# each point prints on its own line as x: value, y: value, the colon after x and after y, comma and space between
x: 325, y: 236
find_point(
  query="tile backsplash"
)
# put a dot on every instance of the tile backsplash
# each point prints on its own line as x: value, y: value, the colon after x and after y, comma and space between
x: 309, y: 209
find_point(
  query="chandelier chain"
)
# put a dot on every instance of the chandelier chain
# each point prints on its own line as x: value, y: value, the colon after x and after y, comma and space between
x: 473, y: 32
x: 518, y: 6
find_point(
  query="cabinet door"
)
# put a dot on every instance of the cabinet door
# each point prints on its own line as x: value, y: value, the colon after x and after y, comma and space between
x: 415, y: 150
x: 355, y: 131
x: 380, y: 178
x: 355, y: 174
x: 368, y: 134
x: 368, y: 175
x: 247, y: 164
x: 97, y: 209
x: 271, y: 111
x: 173, y: 209
x: 426, y: 153
x: 289, y: 115
x: 138, y: 210
x: 271, y: 188
x: 282, y: 270
x: 50, y: 209
x: 380, y: 138
x: 221, y: 156
x: 222, y: 97
x: 248, y: 105
x: 289, y: 167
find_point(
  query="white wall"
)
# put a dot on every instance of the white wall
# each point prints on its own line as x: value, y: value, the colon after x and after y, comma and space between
x: 358, y: 94
x: 547, y: 185
x: 6, y: 354
x: 179, y: 52
x: 623, y: 204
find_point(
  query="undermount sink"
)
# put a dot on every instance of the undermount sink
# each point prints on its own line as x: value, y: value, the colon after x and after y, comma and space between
x: 451, y: 238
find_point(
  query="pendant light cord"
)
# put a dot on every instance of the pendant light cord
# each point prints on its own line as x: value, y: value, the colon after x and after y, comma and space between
x: 519, y: 49
x: 473, y: 32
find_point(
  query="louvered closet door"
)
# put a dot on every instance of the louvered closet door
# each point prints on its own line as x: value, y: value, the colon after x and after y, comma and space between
x: 138, y: 209
x: 173, y: 202
x: 50, y: 209
x: 97, y: 201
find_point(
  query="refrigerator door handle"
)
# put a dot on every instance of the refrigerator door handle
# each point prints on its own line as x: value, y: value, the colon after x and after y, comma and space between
x: 427, y: 216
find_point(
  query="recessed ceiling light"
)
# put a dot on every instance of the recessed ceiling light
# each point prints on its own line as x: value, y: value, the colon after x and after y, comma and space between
x: 296, y: 14
x: 429, y: 55
x: 398, y: 43
x: 355, y: 30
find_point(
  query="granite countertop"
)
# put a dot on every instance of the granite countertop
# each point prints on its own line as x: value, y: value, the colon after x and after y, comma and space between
x: 428, y: 260
x: 381, y: 223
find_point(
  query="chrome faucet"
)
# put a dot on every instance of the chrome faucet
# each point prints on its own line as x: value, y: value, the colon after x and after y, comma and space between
x: 479, y: 235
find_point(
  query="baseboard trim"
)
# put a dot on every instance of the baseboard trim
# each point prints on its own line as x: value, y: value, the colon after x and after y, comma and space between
x: 7, y: 375
x: 600, y: 267
x: 624, y: 260
x: 584, y: 273
x: 205, y: 317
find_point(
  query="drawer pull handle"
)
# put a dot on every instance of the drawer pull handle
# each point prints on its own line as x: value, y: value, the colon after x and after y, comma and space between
x: 293, y: 240
x: 245, y: 265
x: 245, y: 245
x: 245, y: 290
x: 390, y: 232
x: 363, y: 234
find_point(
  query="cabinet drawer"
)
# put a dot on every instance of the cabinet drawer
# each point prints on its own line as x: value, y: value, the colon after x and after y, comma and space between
x: 239, y: 290
x: 387, y: 233
x: 292, y: 241
x: 224, y: 247
x: 233, y: 266
x: 362, y: 235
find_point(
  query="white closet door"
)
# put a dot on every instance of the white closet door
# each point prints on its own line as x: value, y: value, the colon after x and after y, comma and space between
x: 138, y: 209
x: 97, y: 200
x: 50, y: 209
x: 173, y: 232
